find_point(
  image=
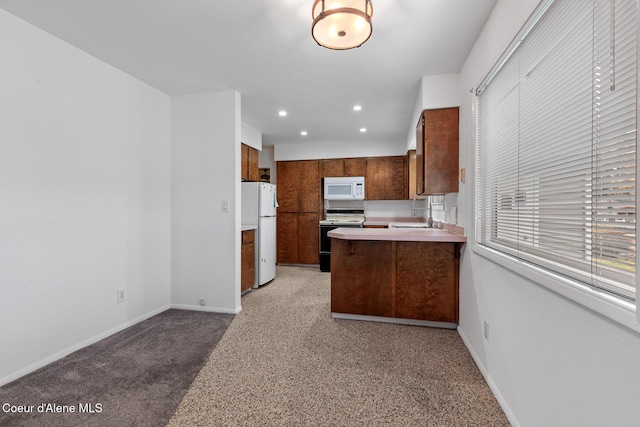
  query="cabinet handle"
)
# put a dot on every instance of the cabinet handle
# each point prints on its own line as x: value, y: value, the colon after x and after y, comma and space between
x: 352, y: 249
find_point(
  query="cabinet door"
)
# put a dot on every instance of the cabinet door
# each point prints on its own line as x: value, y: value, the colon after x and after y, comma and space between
x: 396, y: 188
x: 375, y: 180
x: 441, y: 151
x: 244, y: 157
x: 308, y: 238
x: 386, y: 178
x: 355, y: 167
x: 287, y: 237
x: 308, y: 186
x: 248, y: 271
x: 287, y: 186
x: 426, y: 281
x: 252, y: 164
x: 331, y: 167
x: 362, y: 277
x: 411, y: 173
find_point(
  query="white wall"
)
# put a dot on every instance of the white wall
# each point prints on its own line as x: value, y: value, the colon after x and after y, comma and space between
x: 266, y: 160
x: 84, y: 198
x: 439, y: 91
x: 335, y: 150
x: 205, y: 162
x: 251, y: 137
x: 550, y: 361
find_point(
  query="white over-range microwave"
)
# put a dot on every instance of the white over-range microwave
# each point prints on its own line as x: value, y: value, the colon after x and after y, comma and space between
x: 344, y: 188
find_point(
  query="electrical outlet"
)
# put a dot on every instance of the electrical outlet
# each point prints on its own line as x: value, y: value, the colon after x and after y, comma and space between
x: 120, y: 295
x: 202, y: 301
x: 486, y: 330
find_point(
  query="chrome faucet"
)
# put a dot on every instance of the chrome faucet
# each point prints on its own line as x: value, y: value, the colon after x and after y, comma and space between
x: 429, y: 219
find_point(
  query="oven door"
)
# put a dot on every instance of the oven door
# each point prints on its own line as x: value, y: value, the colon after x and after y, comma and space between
x: 325, y: 243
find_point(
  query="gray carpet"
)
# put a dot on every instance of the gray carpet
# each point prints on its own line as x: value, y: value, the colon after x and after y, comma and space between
x: 138, y: 375
x: 285, y: 362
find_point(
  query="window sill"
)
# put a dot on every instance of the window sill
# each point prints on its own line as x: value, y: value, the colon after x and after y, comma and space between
x: 617, y: 310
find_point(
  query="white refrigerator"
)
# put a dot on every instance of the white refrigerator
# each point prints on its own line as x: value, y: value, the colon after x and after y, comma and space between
x: 259, y: 208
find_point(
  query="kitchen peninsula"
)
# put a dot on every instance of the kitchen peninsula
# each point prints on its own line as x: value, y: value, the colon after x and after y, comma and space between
x: 397, y: 275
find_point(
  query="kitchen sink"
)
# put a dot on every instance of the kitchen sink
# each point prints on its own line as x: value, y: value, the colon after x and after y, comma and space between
x: 409, y: 225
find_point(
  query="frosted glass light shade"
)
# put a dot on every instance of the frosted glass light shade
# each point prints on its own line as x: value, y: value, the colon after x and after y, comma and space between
x: 341, y: 24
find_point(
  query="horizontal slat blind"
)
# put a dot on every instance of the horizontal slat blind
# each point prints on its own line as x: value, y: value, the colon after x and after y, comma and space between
x: 556, y: 148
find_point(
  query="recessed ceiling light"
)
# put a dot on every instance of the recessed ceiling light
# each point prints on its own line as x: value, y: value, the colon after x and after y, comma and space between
x: 357, y: 107
x: 363, y: 130
x: 282, y: 113
x: 303, y: 133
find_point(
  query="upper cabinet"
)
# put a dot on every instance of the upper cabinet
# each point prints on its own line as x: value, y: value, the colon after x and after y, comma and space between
x: 437, y: 151
x: 386, y: 178
x: 411, y: 171
x: 249, y: 160
x: 342, y: 167
x: 298, y: 186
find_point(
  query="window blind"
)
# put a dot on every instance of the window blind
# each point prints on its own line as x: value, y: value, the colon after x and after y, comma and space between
x: 556, y: 166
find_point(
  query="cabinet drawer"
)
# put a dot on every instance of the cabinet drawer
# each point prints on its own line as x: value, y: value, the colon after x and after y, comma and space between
x: 248, y: 236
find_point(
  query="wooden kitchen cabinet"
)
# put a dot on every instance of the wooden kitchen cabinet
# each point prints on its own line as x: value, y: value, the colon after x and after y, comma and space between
x: 437, y: 151
x: 427, y: 281
x: 249, y: 160
x: 298, y: 186
x: 366, y: 289
x: 331, y: 167
x: 411, y: 172
x: 386, y: 178
x: 342, y: 167
x: 355, y: 167
x: 298, y: 237
x: 298, y: 216
x: 248, y: 260
x: 398, y: 279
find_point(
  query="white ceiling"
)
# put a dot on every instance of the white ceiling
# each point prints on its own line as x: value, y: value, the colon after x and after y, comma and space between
x: 264, y: 50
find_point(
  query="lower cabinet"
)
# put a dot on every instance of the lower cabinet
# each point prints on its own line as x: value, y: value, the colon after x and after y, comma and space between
x: 248, y: 271
x: 411, y: 280
x: 298, y: 237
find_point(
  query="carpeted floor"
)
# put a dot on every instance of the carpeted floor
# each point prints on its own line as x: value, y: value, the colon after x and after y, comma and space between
x: 284, y: 362
x: 136, y: 377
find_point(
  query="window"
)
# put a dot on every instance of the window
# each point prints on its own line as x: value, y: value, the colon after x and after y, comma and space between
x: 556, y: 183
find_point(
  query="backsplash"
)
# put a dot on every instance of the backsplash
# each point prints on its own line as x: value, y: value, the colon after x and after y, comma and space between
x: 405, y: 208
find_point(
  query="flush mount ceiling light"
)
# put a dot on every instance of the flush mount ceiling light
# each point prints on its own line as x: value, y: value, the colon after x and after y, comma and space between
x: 341, y: 24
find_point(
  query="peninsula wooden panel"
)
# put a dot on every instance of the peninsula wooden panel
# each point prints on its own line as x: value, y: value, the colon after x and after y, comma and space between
x: 362, y: 277
x: 426, y: 281
x: 408, y: 280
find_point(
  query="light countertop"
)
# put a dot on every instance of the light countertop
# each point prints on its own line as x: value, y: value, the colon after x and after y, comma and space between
x: 246, y: 227
x: 384, y: 221
x: 397, y: 234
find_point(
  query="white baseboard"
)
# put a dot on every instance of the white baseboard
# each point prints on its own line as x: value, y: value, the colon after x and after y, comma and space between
x: 496, y: 392
x: 205, y: 308
x: 67, y: 351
